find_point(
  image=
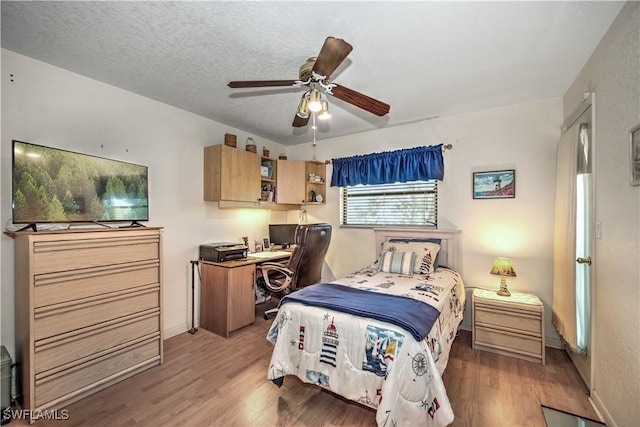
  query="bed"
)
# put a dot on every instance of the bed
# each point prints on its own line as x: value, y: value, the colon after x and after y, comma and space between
x: 380, y: 336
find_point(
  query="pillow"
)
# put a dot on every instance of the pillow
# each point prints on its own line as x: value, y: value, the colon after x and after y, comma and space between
x: 426, y: 253
x: 436, y: 264
x: 397, y: 262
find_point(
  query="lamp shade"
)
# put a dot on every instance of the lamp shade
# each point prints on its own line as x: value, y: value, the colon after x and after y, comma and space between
x: 315, y: 101
x: 503, y: 267
x: 303, y: 107
x: 324, y: 112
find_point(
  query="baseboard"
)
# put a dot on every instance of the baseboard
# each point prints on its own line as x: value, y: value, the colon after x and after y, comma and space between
x: 601, y: 410
x: 554, y: 342
x: 175, y: 330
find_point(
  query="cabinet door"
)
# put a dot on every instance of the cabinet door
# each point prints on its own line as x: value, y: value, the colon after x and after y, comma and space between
x: 241, y: 310
x: 240, y: 175
x: 290, y: 187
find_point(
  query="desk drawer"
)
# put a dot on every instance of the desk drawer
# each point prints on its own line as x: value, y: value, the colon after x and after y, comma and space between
x: 55, y: 320
x: 74, y: 348
x: 64, y: 384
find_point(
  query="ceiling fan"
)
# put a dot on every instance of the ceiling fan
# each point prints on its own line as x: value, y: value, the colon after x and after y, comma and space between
x: 314, y: 74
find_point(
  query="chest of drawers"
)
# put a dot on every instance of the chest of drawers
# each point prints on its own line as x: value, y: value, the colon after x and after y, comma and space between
x: 512, y: 325
x: 88, y: 311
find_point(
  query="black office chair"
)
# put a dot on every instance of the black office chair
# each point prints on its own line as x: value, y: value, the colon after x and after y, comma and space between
x: 304, y: 267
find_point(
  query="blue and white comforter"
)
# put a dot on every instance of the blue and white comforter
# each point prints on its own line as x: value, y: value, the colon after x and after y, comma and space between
x: 373, y: 362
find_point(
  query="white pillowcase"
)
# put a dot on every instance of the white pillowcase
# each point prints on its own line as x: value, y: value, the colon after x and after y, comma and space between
x: 426, y: 253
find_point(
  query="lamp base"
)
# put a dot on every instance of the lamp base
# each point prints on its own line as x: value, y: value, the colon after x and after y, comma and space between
x: 504, y: 292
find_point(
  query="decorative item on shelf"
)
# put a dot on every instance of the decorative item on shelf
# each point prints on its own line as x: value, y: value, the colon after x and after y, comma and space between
x: 315, y: 178
x: 251, y: 145
x: 265, y: 152
x: 230, y: 139
x: 502, y: 267
x: 266, y: 170
x: 313, y: 195
x: 267, y: 193
x: 282, y: 156
x: 319, y: 198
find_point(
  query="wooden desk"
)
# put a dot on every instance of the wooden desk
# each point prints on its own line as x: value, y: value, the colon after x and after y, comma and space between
x: 227, y: 293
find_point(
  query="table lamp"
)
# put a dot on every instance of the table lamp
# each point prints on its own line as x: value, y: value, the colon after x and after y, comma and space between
x: 502, y: 267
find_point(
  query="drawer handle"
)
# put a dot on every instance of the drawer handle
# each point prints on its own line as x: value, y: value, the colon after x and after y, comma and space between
x: 586, y: 260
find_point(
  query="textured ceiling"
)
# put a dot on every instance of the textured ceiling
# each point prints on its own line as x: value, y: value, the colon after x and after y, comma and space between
x: 425, y: 59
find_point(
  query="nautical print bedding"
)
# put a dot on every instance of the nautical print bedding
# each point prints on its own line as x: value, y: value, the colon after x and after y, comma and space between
x: 375, y: 363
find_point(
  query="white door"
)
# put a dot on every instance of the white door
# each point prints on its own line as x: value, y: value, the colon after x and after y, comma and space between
x: 584, y: 247
x: 573, y: 289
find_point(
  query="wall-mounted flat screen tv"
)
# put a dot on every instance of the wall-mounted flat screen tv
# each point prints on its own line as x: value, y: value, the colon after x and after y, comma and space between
x: 54, y: 185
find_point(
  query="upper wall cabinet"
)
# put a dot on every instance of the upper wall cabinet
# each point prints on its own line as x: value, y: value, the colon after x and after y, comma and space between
x: 290, y: 188
x: 231, y: 174
x: 238, y: 178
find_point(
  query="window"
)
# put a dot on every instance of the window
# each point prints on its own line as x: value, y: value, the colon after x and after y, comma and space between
x: 406, y: 203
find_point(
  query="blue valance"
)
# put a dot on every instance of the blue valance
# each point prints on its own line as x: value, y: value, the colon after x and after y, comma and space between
x: 411, y: 164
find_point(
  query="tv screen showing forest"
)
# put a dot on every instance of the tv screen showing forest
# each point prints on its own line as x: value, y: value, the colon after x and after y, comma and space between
x: 54, y: 185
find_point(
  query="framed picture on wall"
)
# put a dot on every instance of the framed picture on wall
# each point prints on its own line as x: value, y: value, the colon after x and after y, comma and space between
x: 494, y: 184
x: 634, y: 155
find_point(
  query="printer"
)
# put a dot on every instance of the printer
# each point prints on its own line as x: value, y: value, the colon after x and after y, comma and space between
x: 223, y: 251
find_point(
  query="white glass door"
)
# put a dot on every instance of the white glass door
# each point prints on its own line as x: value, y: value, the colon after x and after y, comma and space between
x: 584, y: 246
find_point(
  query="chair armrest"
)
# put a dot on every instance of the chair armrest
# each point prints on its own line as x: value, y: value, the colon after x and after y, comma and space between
x: 272, y: 266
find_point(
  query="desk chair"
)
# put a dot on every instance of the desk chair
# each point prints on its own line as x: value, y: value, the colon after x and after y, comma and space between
x: 304, y: 267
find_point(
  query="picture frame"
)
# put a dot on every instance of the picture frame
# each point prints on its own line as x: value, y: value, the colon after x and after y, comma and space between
x: 634, y: 155
x: 266, y: 244
x: 499, y: 184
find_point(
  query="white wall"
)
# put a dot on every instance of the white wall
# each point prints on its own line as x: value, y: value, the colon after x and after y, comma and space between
x: 50, y: 106
x: 521, y: 137
x: 613, y: 74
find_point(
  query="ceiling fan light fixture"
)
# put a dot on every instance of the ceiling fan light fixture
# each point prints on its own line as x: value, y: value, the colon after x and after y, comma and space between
x: 303, y: 107
x: 315, y: 100
x: 324, y: 111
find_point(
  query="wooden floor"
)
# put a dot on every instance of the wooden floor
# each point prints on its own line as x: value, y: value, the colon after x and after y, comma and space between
x: 207, y: 380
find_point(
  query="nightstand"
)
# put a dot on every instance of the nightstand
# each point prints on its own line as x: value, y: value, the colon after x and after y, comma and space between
x: 513, y: 326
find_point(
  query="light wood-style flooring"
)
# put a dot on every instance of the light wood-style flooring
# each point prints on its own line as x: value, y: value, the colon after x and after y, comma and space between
x: 207, y: 380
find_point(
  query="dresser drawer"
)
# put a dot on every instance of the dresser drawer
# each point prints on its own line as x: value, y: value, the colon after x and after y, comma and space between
x: 510, y: 319
x: 59, y: 287
x: 74, y: 348
x: 89, y: 374
x: 61, y: 318
x: 66, y: 255
x: 500, y: 340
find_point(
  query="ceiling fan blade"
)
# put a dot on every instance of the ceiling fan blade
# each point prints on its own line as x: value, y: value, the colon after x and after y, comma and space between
x: 358, y: 99
x: 333, y: 52
x: 299, y: 122
x: 261, y: 83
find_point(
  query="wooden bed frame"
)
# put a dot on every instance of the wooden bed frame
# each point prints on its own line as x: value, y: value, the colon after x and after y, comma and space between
x: 448, y: 254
